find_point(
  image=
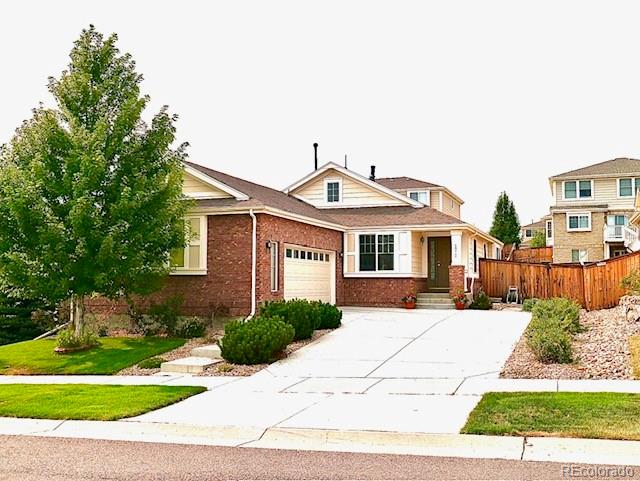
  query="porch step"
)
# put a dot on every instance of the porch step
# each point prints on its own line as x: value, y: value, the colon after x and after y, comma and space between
x: 425, y: 305
x: 432, y: 294
x: 434, y: 300
x: 211, y: 351
x: 188, y: 365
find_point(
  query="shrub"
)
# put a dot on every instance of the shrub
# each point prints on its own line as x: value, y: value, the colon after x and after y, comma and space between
x: 189, y: 327
x: 256, y: 341
x: 631, y: 283
x: 151, y: 363
x: 481, y: 302
x: 103, y: 331
x: 167, y: 313
x: 302, y: 315
x: 147, y: 326
x: 23, y: 320
x: 67, y: 339
x: 16, y: 329
x: 528, y: 304
x: 549, y: 343
x: 330, y: 315
x: 564, y: 312
x: 539, y: 239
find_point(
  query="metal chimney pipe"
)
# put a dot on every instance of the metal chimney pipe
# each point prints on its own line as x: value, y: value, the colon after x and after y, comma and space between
x: 373, y: 173
x: 315, y: 149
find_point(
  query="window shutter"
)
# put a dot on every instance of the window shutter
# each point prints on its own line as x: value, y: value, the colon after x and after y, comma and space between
x: 350, y: 246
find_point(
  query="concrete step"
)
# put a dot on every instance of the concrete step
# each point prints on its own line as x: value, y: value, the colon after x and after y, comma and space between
x: 420, y: 305
x: 433, y: 294
x: 496, y: 299
x: 211, y: 351
x: 434, y: 300
x: 188, y: 365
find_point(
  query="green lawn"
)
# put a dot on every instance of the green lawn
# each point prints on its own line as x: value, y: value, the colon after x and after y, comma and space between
x: 87, y: 401
x: 579, y: 415
x: 113, y: 354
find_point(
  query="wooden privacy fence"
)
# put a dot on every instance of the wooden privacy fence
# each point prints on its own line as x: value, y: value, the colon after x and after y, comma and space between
x: 595, y: 286
x: 533, y: 254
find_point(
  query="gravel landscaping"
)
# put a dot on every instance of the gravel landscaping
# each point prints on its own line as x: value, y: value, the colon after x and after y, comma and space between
x: 601, y: 351
x: 222, y: 368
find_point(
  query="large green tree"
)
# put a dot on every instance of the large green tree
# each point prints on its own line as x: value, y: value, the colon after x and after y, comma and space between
x: 506, y: 225
x: 90, y: 195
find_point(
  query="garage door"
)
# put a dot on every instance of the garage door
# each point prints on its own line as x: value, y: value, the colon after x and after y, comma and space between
x: 307, y: 274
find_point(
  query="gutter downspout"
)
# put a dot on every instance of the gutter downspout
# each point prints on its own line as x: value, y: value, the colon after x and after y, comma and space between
x: 254, y: 240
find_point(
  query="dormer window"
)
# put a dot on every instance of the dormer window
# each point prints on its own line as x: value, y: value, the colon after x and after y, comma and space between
x: 333, y: 190
x: 421, y: 196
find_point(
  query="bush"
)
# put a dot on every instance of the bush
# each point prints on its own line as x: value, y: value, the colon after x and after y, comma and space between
x: 256, y: 341
x: 17, y: 329
x: 528, y: 304
x: 539, y: 239
x: 631, y: 283
x: 67, y: 339
x: 330, y: 315
x: 302, y: 315
x: 189, y: 327
x: 481, y: 302
x: 564, y: 312
x: 22, y: 320
x: 549, y: 343
x: 151, y: 363
x: 166, y: 314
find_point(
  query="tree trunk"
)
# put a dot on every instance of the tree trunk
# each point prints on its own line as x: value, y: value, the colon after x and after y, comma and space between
x: 76, y: 314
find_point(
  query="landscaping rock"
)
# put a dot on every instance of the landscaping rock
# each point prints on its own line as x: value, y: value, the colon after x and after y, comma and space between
x: 631, y: 307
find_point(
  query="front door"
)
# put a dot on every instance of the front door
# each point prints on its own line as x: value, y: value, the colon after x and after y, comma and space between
x: 439, y: 262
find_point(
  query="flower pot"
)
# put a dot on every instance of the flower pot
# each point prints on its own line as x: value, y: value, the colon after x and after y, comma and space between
x: 460, y: 306
x: 410, y: 305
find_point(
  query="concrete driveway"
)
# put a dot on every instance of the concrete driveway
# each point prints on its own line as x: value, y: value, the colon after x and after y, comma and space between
x: 383, y: 370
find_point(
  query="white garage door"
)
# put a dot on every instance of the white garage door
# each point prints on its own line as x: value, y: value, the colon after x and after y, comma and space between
x: 307, y: 274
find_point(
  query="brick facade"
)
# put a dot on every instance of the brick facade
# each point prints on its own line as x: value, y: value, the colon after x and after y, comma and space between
x: 380, y: 292
x: 456, y: 278
x: 592, y: 241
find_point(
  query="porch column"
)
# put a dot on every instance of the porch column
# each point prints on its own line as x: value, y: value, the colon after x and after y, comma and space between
x: 456, y: 269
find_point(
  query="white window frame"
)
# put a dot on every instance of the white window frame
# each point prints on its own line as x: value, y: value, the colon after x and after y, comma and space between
x: 528, y: 233
x: 332, y: 180
x: 635, y: 186
x: 274, y: 265
x: 579, y: 214
x: 582, y: 255
x: 578, y: 197
x: 202, y: 242
x: 421, y: 191
x: 396, y: 252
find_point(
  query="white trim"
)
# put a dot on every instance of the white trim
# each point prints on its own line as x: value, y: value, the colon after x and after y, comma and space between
x: 214, y: 182
x: 254, y: 263
x: 578, y: 197
x: 354, y: 176
x: 421, y: 191
x: 374, y: 274
x: 201, y: 195
x: 634, y: 187
x: 578, y: 214
x: 332, y: 180
x: 441, y: 206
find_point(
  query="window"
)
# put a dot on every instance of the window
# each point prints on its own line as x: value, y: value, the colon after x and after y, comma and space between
x: 421, y: 196
x: 192, y: 257
x: 333, y: 190
x: 528, y: 233
x: 296, y: 254
x: 497, y: 252
x: 578, y: 255
x: 377, y: 252
x: 475, y: 256
x: 274, y: 265
x: 616, y: 220
x: 315, y: 256
x: 321, y: 256
x: 549, y: 229
x: 628, y: 187
x: 484, y: 251
x: 289, y: 253
x: 578, y: 189
x: 579, y: 222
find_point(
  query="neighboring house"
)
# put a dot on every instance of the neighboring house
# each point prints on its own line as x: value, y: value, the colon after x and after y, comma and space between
x: 544, y: 225
x: 334, y: 235
x: 592, y: 209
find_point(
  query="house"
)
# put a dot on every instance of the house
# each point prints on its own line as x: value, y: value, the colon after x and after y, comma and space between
x: 591, y: 211
x: 544, y: 225
x: 333, y: 235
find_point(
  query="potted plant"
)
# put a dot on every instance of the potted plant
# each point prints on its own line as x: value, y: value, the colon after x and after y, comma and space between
x: 409, y: 301
x: 459, y: 299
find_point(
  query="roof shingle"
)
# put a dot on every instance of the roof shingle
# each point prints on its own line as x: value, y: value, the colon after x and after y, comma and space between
x: 404, y: 183
x: 623, y: 165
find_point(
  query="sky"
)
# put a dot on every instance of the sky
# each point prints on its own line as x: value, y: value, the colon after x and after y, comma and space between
x: 478, y: 96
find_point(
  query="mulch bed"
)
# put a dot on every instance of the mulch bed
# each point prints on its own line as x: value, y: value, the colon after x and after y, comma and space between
x: 222, y: 368
x: 601, y: 351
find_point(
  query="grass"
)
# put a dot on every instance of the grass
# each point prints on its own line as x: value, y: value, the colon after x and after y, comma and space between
x: 634, y: 347
x: 87, y: 401
x: 113, y: 355
x: 563, y: 414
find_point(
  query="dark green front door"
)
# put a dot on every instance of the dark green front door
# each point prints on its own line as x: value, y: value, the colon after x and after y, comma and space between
x: 439, y: 262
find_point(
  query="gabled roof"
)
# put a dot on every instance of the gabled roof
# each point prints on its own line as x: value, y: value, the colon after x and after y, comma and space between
x: 405, y: 183
x: 355, y: 176
x: 615, y: 167
x: 207, y: 179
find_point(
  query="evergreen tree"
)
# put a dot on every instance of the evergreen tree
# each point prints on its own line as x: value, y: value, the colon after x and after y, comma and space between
x: 505, y: 226
x: 90, y: 195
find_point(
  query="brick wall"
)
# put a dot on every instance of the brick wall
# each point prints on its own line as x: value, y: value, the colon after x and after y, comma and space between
x: 592, y: 241
x: 380, y: 292
x: 456, y: 278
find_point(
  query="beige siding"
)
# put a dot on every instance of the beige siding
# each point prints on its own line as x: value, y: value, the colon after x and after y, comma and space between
x: 564, y: 242
x: 353, y: 193
x: 435, y: 199
x: 416, y: 253
x: 350, y: 253
x: 451, y: 206
x: 605, y: 191
x: 191, y: 185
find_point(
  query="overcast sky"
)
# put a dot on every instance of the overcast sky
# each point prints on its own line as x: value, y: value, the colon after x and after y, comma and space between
x: 478, y: 96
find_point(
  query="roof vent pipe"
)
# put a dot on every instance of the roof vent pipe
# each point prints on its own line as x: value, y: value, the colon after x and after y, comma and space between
x: 315, y: 149
x: 373, y: 173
